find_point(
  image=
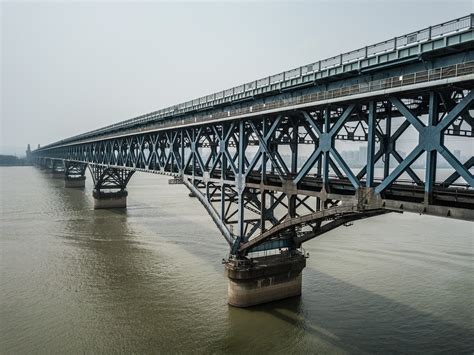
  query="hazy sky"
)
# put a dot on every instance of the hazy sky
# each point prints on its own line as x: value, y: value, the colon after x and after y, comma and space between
x: 69, y: 67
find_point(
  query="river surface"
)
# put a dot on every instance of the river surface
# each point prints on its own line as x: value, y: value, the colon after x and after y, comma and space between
x: 149, y: 279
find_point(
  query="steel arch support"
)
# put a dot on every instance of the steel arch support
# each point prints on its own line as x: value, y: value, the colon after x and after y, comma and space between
x: 216, y: 218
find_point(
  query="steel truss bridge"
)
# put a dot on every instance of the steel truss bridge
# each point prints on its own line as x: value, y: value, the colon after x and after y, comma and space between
x: 268, y: 159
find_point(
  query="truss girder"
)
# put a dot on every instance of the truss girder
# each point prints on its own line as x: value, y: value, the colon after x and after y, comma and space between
x: 257, y: 173
x: 74, y: 169
x: 110, y: 178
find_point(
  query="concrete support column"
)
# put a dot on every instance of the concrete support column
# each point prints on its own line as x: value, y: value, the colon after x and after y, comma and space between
x: 74, y: 174
x: 56, y: 169
x: 110, y: 186
x: 116, y: 199
x: 264, y: 279
x: 75, y: 182
x: 56, y: 174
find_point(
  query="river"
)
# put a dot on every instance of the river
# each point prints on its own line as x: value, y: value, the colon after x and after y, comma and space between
x: 149, y: 279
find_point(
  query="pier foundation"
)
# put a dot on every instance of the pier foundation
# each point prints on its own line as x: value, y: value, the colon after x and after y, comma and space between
x: 264, y: 279
x: 110, y: 199
x: 56, y: 174
x: 75, y: 182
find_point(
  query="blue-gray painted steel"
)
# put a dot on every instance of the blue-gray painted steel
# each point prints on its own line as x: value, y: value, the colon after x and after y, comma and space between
x: 232, y: 159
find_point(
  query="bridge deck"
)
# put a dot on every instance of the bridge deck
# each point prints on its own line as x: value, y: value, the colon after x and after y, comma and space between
x: 461, y: 74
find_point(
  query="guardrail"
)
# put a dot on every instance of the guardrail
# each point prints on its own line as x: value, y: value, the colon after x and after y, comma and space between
x: 382, y: 84
x: 376, y: 85
x: 245, y: 90
x: 239, y: 92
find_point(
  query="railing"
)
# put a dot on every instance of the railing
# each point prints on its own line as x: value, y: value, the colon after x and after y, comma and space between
x: 400, y: 42
x: 383, y: 84
x: 376, y: 85
x: 266, y: 84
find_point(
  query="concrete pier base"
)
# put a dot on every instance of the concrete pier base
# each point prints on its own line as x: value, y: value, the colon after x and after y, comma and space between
x: 57, y: 174
x: 110, y: 199
x: 76, y: 182
x: 265, y: 279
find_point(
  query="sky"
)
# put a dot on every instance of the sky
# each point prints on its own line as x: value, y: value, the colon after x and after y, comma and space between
x: 70, y: 67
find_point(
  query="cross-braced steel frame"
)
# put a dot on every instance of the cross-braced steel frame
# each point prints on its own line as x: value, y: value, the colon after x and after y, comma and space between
x: 74, y: 170
x: 53, y: 165
x: 108, y: 180
x: 276, y: 180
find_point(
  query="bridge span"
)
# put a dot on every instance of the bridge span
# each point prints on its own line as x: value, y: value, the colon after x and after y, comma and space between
x: 270, y: 160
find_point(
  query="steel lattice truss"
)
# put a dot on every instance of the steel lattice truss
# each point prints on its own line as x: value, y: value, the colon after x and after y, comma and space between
x: 276, y: 180
x: 107, y: 178
x: 74, y: 169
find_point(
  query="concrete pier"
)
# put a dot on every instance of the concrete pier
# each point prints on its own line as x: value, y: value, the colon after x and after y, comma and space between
x: 110, y: 199
x: 56, y: 174
x: 265, y: 279
x: 75, y: 182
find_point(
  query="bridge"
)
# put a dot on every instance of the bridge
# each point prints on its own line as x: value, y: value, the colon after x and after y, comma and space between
x: 266, y: 159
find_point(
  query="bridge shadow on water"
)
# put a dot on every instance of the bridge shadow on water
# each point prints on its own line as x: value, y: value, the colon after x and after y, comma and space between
x: 331, y: 316
x: 338, y: 316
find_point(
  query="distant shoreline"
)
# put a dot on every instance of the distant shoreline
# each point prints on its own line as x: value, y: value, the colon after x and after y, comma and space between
x: 11, y: 160
x: 15, y: 166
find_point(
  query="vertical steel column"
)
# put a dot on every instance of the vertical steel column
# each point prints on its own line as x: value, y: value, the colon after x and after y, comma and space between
x: 183, y: 162
x: 319, y: 203
x: 264, y: 154
x: 387, y: 145
x: 320, y: 167
x: 431, y: 156
x: 371, y: 145
x: 263, y: 210
x: 193, y: 151
x: 294, y: 148
x: 222, y: 147
x: 240, y: 183
x: 326, y: 153
x: 293, y: 167
x: 271, y: 148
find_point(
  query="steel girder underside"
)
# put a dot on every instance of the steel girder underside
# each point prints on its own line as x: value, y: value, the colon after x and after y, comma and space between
x: 74, y: 169
x: 278, y: 180
x: 109, y: 180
